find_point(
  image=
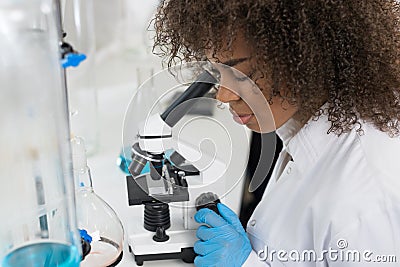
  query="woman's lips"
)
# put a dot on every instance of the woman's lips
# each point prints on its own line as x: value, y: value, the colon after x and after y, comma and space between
x: 242, y: 119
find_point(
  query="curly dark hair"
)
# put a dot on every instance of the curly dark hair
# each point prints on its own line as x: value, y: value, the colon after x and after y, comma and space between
x: 342, y: 52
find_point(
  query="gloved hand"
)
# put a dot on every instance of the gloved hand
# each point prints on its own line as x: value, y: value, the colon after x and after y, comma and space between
x: 224, y: 243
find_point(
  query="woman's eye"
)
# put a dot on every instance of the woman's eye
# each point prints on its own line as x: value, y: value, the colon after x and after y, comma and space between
x: 245, y: 78
x: 241, y: 79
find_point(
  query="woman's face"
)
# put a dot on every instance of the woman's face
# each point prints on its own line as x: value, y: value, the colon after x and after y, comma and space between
x: 247, y: 99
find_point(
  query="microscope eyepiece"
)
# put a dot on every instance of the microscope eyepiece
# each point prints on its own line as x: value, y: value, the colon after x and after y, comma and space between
x: 198, y: 88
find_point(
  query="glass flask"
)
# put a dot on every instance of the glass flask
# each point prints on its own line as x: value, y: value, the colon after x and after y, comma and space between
x: 82, y: 92
x: 95, y: 216
x: 38, y: 223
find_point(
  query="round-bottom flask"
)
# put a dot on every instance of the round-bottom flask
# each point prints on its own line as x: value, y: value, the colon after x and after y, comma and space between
x: 95, y: 216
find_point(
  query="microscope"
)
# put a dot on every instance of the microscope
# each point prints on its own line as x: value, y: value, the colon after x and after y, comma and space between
x: 177, y: 184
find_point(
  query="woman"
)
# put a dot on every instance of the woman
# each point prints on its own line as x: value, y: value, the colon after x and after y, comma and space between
x: 330, y: 73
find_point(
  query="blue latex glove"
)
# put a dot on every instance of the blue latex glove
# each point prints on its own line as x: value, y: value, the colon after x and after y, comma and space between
x: 224, y: 242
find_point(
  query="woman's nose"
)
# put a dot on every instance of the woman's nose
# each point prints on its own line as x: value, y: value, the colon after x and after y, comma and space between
x: 226, y: 95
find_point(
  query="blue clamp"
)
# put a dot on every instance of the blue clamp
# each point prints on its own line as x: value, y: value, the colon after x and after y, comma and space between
x: 85, y: 235
x: 72, y: 59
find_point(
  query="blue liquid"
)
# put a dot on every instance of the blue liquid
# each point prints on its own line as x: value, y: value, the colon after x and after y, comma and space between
x: 124, y: 162
x: 46, y: 254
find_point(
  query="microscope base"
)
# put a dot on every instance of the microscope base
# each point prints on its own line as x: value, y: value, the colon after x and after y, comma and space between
x: 187, y: 255
x: 178, y: 246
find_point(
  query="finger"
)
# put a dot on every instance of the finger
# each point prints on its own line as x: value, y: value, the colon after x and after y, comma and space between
x: 206, y: 233
x: 210, y: 260
x: 205, y: 247
x: 230, y: 217
x: 209, y: 217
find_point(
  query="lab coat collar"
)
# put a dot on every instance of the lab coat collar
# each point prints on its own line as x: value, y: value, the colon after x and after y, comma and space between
x: 288, y: 130
x: 306, y: 143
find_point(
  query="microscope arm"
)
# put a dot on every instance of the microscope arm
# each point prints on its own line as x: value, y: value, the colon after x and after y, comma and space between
x: 155, y: 135
x: 156, y: 131
x: 199, y: 88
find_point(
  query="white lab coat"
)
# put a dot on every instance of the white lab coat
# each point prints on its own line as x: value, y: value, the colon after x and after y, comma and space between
x: 336, y: 188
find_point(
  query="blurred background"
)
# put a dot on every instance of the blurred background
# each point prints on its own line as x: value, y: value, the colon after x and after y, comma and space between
x: 114, y: 37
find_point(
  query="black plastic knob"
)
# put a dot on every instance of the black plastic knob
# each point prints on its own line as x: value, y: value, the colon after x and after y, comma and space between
x: 208, y: 200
